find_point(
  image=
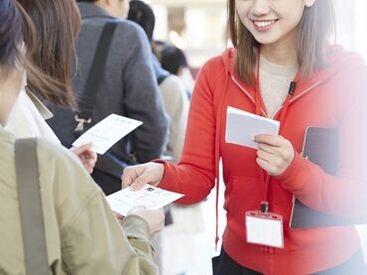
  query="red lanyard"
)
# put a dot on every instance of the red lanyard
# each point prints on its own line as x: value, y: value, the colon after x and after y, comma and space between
x: 282, y: 117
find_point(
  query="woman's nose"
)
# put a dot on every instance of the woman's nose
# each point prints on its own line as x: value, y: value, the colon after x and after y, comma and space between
x: 260, y: 8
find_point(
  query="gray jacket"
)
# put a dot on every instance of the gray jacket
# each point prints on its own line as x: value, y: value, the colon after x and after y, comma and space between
x: 129, y: 87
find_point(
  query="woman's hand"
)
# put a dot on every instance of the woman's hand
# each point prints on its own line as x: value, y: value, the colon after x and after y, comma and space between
x: 275, y: 153
x: 139, y: 175
x: 86, y: 155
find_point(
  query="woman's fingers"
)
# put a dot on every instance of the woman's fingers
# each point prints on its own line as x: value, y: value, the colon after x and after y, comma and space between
x: 140, y: 175
x: 271, y: 140
x: 275, y: 153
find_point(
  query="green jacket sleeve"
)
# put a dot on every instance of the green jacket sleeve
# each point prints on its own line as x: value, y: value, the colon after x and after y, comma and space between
x: 95, y: 243
x: 92, y: 241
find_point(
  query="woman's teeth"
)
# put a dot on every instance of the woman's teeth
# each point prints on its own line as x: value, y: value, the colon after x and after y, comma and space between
x: 264, y: 24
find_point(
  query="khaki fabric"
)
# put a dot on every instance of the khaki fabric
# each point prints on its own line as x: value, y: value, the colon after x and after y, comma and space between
x: 82, y: 234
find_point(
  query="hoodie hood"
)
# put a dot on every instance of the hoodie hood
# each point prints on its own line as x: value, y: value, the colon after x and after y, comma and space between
x: 339, y: 61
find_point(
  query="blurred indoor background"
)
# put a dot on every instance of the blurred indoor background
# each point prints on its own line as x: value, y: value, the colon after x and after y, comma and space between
x: 198, y: 26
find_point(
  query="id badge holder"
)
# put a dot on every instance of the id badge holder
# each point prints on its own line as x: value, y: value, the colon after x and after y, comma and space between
x: 264, y: 228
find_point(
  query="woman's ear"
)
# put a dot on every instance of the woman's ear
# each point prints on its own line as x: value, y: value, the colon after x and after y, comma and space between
x: 309, y: 3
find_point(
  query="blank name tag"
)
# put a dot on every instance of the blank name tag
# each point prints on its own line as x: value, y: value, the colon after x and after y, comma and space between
x: 264, y: 229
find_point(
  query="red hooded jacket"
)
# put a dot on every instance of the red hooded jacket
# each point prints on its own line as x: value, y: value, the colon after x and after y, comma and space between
x: 333, y: 97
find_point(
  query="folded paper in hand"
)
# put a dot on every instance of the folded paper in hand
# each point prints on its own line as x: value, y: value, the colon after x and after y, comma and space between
x: 149, y: 197
x: 107, y: 132
x: 243, y: 126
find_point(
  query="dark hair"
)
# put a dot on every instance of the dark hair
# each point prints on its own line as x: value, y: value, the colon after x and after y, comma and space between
x: 142, y: 14
x: 15, y: 28
x: 172, y: 58
x: 316, y: 26
x: 57, y: 23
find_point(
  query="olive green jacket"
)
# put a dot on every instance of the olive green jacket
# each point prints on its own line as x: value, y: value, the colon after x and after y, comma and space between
x: 82, y: 234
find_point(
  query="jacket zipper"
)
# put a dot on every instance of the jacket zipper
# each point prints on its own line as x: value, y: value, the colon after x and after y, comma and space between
x: 248, y: 95
x: 270, y: 250
x: 298, y: 96
x: 281, y: 107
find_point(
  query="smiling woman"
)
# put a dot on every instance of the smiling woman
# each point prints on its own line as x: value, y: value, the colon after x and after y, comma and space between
x: 252, y: 23
x: 283, y: 66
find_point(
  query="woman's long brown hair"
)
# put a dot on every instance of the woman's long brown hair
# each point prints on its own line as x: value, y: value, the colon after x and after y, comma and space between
x: 57, y: 23
x: 18, y: 43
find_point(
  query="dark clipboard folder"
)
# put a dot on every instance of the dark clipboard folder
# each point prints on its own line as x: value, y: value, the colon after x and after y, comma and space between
x: 320, y: 147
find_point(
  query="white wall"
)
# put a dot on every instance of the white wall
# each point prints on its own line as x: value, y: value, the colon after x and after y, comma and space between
x: 351, y: 25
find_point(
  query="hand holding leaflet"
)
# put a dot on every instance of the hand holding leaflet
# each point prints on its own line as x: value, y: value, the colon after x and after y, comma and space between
x: 243, y: 126
x: 149, y: 197
x: 107, y: 132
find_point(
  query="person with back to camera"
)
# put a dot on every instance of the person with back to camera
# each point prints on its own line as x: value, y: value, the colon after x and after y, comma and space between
x: 285, y: 67
x: 126, y: 86
x: 174, y: 60
x: 29, y: 115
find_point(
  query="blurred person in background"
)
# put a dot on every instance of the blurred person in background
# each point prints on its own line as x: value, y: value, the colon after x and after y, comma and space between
x: 173, y: 92
x: 126, y: 87
x: 174, y: 60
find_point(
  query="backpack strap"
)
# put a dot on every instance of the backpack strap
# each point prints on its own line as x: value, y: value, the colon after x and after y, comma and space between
x: 95, y: 76
x: 30, y: 206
